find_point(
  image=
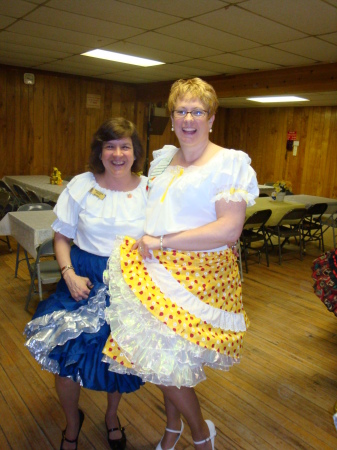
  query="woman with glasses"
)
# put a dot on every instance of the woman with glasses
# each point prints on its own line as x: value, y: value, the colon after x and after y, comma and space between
x: 181, y: 280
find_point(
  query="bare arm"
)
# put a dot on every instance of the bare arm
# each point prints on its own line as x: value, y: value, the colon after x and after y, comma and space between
x: 225, y: 230
x: 79, y: 287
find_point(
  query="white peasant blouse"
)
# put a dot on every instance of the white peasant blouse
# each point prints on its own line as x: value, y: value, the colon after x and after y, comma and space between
x: 94, y: 223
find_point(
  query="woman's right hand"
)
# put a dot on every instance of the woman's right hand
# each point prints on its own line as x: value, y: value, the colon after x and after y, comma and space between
x: 79, y: 287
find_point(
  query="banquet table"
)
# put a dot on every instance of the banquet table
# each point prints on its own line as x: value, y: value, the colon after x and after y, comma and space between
x: 29, y: 228
x: 264, y: 189
x: 309, y: 200
x: 38, y: 183
x: 278, y: 208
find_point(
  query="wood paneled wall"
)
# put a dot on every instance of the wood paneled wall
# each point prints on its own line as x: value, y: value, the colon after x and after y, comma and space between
x: 49, y: 125
x: 262, y: 133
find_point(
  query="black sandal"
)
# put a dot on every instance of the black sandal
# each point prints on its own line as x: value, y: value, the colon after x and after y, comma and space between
x: 81, y: 414
x: 117, y: 444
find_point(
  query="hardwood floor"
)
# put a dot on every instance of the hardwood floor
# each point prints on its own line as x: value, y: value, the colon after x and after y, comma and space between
x: 281, y: 395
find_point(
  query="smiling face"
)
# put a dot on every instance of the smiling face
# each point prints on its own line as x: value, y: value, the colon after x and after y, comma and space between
x: 191, y: 131
x: 118, y: 157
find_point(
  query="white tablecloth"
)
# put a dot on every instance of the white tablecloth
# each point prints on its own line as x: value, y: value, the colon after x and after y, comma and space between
x: 309, y: 200
x: 266, y: 189
x: 38, y: 183
x: 29, y: 228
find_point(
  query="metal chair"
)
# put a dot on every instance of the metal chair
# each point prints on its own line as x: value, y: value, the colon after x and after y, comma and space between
x: 28, y: 207
x: 312, y: 229
x: 329, y: 221
x: 289, y: 226
x: 254, y: 231
x: 34, y: 198
x: 44, y: 270
x: 5, y: 207
x: 15, y: 200
x: 21, y: 193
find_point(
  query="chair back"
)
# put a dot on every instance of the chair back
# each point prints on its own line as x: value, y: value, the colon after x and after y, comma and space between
x: 21, y: 193
x: 317, y: 210
x: 5, y: 205
x: 258, y: 219
x: 35, y: 207
x: 295, y: 216
x: 46, y: 248
x: 34, y: 198
x: 5, y: 187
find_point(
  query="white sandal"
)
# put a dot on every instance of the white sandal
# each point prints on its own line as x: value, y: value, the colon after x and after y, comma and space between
x: 172, y: 431
x: 212, y: 434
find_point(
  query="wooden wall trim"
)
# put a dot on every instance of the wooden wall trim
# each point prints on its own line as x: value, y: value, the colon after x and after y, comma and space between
x: 317, y: 78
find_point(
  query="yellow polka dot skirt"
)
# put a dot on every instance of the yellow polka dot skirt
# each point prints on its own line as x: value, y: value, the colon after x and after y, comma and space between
x: 174, y: 314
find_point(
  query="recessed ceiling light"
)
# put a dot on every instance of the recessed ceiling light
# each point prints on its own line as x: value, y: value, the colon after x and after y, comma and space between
x: 279, y: 99
x: 120, y: 57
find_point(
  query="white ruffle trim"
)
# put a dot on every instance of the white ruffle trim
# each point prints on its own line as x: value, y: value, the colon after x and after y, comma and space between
x: 237, y: 196
x: 158, y: 355
x: 170, y: 287
x: 46, y: 332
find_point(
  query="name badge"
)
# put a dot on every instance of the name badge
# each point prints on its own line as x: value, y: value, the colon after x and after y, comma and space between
x: 97, y: 193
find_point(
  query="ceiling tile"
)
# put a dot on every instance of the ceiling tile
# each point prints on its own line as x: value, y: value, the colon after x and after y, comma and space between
x: 302, y: 15
x: 311, y: 48
x: 173, y: 44
x: 207, y: 36
x: 15, y: 8
x: 25, y: 49
x: 240, y: 61
x: 31, y: 41
x: 38, y: 30
x: 250, y: 26
x: 275, y: 56
x: 73, y: 22
x: 117, y: 12
x: 144, y: 52
x: 5, y: 21
x: 332, y: 37
x: 185, y: 9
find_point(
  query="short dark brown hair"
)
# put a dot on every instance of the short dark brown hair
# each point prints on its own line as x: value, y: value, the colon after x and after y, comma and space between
x: 112, y: 130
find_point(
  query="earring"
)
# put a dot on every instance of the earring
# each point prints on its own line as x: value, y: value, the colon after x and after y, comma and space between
x: 172, y: 129
x: 210, y: 130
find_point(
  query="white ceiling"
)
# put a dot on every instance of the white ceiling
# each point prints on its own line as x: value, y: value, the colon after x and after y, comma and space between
x: 193, y: 37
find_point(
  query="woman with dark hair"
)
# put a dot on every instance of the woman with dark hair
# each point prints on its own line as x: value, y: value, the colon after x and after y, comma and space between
x: 68, y: 330
x: 187, y: 311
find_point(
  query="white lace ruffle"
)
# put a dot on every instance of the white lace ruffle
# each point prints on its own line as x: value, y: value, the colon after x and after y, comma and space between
x: 46, y: 332
x: 170, y: 287
x: 158, y: 355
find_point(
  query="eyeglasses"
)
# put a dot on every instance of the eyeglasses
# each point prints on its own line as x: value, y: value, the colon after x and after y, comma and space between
x: 195, y: 113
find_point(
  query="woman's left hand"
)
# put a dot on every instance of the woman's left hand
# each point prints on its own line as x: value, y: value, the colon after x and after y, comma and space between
x: 145, y: 244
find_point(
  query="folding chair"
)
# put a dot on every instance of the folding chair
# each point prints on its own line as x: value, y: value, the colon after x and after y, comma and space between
x: 44, y: 270
x: 5, y: 207
x: 289, y: 226
x: 312, y: 229
x: 329, y: 221
x: 28, y: 207
x: 34, y: 198
x: 21, y: 193
x: 254, y: 231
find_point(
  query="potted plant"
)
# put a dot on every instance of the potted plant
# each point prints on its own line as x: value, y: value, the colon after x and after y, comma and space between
x: 281, y: 189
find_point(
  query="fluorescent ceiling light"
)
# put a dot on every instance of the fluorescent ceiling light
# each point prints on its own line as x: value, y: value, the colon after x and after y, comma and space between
x: 279, y: 99
x: 120, y: 57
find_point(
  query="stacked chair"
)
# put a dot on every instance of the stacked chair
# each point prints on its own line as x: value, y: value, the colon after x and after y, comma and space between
x: 44, y: 270
x: 290, y: 226
x: 254, y: 230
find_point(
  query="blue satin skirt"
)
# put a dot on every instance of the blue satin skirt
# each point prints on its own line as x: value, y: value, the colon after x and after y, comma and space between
x: 80, y: 358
